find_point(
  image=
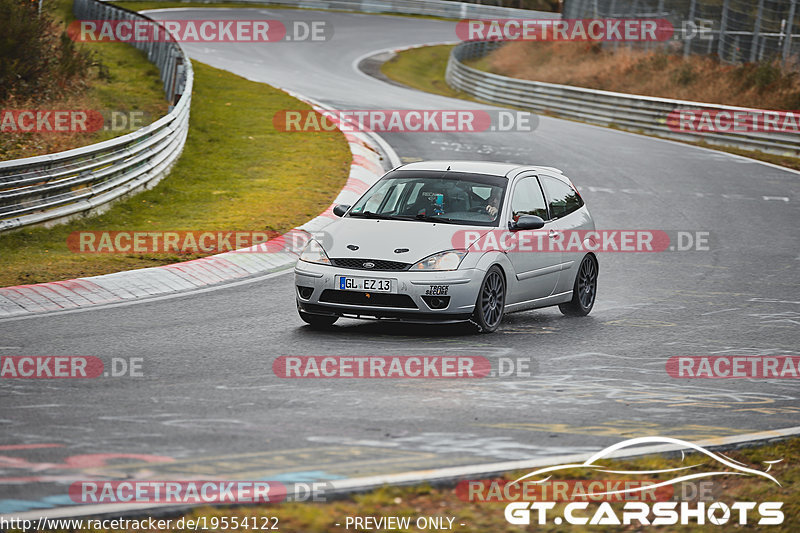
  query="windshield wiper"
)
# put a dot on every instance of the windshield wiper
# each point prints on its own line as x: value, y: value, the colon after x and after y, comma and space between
x: 434, y: 218
x: 421, y: 217
x: 370, y: 214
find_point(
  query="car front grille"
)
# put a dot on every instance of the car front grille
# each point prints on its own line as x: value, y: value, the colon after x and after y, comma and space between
x: 375, y: 299
x: 379, y: 264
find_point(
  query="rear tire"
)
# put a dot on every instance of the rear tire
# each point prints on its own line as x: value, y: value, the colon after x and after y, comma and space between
x: 490, y: 306
x: 584, y: 290
x: 318, y: 321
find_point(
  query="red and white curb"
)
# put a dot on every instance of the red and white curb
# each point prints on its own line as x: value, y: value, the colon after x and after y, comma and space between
x: 366, y: 167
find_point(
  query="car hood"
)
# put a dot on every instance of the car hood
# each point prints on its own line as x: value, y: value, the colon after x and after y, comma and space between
x: 378, y: 239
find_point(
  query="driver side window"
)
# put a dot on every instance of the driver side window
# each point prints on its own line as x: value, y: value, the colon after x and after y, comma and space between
x: 528, y: 199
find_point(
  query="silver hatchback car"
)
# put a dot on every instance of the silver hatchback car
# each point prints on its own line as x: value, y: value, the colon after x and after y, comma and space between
x: 452, y: 241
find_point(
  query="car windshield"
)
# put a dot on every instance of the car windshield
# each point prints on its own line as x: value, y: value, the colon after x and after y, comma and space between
x: 446, y: 197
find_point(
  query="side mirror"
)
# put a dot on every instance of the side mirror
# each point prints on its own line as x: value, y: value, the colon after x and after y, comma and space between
x: 340, y: 210
x: 526, y: 222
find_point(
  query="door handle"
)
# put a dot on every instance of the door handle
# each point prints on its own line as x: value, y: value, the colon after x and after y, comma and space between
x: 553, y: 234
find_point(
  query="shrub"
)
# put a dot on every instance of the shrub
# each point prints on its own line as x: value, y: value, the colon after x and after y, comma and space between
x: 37, y: 59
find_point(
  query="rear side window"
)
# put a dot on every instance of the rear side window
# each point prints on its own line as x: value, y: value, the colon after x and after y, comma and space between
x: 561, y: 198
x: 528, y: 199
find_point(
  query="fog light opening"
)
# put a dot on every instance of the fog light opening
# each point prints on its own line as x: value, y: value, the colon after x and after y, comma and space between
x: 437, y: 302
x: 305, y: 292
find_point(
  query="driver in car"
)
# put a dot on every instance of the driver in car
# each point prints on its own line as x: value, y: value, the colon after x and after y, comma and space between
x: 493, y: 204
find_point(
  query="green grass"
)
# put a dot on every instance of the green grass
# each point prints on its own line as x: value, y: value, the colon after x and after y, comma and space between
x: 125, y: 81
x: 131, y: 83
x: 424, y: 69
x: 236, y: 173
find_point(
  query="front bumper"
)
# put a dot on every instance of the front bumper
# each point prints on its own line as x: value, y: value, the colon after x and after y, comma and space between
x: 447, y: 296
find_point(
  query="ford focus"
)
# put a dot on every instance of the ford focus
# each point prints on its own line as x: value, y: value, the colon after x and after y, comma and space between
x: 451, y: 241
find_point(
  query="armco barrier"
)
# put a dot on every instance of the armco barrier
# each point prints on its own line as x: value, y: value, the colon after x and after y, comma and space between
x: 631, y: 112
x: 53, y: 188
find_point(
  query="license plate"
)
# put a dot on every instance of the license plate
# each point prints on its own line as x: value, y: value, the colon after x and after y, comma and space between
x: 347, y: 283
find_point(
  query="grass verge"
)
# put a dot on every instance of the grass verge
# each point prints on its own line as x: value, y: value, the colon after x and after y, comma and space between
x: 424, y: 69
x: 484, y: 517
x: 236, y: 173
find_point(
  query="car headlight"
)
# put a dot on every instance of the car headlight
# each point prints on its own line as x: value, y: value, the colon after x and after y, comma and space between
x: 448, y: 260
x: 314, y: 253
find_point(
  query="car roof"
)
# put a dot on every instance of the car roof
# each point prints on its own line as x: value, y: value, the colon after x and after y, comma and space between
x: 475, y: 167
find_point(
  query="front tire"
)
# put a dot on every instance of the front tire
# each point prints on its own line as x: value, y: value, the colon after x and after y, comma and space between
x: 317, y: 321
x: 490, y: 306
x: 584, y: 290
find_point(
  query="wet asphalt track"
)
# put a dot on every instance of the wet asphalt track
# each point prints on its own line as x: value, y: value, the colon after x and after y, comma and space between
x: 210, y: 406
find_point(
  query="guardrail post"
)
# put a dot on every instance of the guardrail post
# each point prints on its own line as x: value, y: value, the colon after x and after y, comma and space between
x: 723, y: 25
x: 175, y: 77
x: 756, y: 31
x: 577, y: 8
x: 687, y: 43
x: 632, y: 14
x: 787, y: 39
x: 612, y: 7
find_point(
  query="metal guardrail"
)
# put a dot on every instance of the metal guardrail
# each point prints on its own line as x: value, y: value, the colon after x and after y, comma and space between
x: 53, y: 188
x: 433, y: 8
x: 631, y: 112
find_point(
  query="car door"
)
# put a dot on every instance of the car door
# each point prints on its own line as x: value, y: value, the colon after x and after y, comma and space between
x: 535, y: 267
x: 568, y: 216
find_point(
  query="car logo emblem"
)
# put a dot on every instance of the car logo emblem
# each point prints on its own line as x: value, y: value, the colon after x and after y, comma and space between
x: 352, y: 247
x: 400, y: 250
x: 369, y: 264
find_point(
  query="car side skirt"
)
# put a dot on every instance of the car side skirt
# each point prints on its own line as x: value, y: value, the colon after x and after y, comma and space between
x: 553, y: 299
